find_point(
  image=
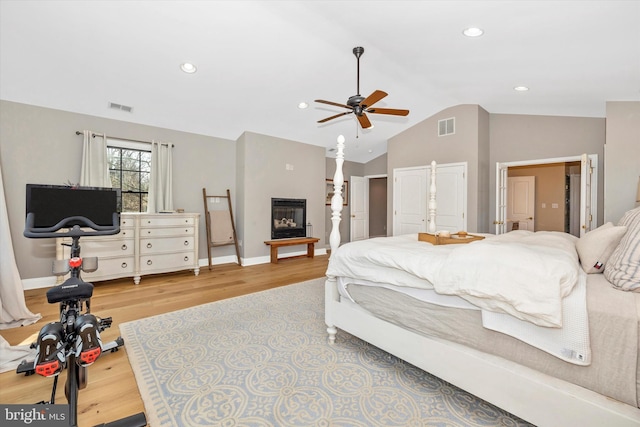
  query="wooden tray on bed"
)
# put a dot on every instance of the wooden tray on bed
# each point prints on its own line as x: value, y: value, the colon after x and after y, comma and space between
x: 456, y: 238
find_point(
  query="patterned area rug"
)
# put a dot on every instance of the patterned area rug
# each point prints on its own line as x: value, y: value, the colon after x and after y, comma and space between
x: 263, y: 360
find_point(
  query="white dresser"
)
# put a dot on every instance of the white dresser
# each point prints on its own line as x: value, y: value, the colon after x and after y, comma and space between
x: 146, y: 244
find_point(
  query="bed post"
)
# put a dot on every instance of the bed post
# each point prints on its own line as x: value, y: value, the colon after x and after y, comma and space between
x: 331, y: 290
x: 336, y: 200
x: 432, y: 199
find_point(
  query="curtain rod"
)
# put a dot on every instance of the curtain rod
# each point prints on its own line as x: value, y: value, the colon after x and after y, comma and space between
x: 93, y: 135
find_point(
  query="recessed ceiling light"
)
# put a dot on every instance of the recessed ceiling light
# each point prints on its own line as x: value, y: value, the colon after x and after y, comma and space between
x: 303, y: 105
x: 521, y: 88
x: 188, y: 67
x: 473, y: 32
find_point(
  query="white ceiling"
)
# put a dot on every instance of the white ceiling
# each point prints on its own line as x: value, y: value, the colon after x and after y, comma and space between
x: 258, y: 59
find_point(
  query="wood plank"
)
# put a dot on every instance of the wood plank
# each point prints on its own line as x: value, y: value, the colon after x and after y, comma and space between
x: 111, y: 391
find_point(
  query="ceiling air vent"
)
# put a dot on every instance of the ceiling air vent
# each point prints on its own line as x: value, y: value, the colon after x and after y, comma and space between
x: 121, y: 107
x: 447, y: 126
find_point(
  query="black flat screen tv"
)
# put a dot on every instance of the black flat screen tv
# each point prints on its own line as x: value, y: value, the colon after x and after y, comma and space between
x: 51, y: 204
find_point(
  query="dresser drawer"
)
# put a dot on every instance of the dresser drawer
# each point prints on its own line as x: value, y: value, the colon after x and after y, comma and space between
x: 167, y: 232
x: 104, y: 247
x: 111, y: 267
x: 166, y: 221
x: 166, y: 262
x: 166, y: 244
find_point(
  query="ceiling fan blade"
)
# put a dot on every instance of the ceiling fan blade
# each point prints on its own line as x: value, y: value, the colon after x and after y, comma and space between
x: 364, y: 121
x: 391, y: 111
x: 333, y: 117
x: 322, y: 101
x: 373, y: 98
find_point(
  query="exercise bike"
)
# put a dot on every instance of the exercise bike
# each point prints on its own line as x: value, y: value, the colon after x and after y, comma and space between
x: 73, y: 343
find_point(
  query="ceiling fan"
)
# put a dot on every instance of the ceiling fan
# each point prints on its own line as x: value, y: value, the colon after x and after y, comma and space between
x: 359, y: 105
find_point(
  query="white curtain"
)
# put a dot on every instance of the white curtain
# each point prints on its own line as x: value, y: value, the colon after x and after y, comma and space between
x: 161, y: 187
x: 14, y: 310
x: 94, y: 171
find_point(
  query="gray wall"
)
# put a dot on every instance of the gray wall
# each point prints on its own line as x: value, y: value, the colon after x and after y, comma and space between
x: 420, y: 145
x: 520, y: 137
x: 263, y: 174
x: 622, y: 162
x: 39, y: 146
x: 482, y: 139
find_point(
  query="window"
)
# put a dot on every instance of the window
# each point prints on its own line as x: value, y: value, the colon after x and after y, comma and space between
x: 130, y: 170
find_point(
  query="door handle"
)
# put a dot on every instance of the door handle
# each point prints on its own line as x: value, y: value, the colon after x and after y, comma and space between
x: 530, y: 218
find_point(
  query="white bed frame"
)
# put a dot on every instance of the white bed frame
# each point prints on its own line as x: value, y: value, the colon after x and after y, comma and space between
x: 535, y: 397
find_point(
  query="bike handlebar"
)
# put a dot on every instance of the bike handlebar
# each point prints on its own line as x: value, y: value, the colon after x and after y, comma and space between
x: 74, y: 230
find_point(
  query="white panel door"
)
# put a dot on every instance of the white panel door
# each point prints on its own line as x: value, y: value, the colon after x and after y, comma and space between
x: 409, y: 201
x: 451, y: 197
x: 521, y: 202
x: 358, y: 205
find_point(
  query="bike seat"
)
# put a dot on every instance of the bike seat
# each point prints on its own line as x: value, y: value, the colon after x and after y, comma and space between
x: 72, y: 288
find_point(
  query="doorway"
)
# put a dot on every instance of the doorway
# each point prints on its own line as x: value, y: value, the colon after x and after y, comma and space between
x: 368, y: 207
x: 565, y: 193
x: 556, y: 197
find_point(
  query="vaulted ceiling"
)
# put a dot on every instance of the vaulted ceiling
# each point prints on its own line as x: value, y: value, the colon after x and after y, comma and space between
x: 257, y: 60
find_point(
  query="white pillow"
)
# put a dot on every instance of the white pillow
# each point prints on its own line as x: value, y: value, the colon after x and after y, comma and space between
x: 623, y: 269
x: 595, y: 247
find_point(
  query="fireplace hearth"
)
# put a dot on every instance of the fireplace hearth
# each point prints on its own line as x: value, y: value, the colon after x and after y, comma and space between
x: 288, y: 218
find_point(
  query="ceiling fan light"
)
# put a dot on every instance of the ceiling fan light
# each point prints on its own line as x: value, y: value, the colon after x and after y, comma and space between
x: 473, y: 32
x: 521, y: 88
x: 188, y: 67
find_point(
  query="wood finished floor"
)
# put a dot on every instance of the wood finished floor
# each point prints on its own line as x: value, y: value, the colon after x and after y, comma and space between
x: 111, y: 391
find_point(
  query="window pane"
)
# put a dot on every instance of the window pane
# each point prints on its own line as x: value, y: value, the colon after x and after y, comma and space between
x: 113, y: 155
x: 115, y: 179
x: 130, y: 202
x: 145, y: 178
x: 130, y: 181
x: 130, y: 170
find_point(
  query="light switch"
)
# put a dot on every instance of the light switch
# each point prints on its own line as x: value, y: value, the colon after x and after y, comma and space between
x: 554, y: 205
x: 544, y: 205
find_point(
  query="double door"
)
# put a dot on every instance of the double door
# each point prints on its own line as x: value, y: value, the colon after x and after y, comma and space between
x: 411, y: 193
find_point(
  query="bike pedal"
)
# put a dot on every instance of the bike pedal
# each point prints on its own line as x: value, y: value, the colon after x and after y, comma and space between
x: 89, y: 356
x: 49, y: 369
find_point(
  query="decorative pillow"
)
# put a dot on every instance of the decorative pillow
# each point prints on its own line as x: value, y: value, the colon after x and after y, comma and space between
x: 623, y: 268
x: 595, y: 247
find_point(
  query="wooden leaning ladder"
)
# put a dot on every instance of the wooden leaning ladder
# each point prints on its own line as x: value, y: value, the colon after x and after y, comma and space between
x: 230, y: 239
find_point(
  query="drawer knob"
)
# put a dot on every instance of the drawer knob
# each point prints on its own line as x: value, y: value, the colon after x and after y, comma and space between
x: 186, y: 243
x: 124, y: 247
x: 186, y: 258
x: 149, y: 245
x: 124, y: 265
x: 149, y: 262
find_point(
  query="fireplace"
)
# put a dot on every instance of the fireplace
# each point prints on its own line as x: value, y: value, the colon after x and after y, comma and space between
x: 288, y: 218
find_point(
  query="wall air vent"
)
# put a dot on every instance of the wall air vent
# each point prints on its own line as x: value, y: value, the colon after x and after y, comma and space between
x: 447, y: 126
x: 121, y: 107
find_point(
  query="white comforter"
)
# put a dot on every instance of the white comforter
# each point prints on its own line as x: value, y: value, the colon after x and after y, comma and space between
x: 523, y: 282
x: 521, y: 273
